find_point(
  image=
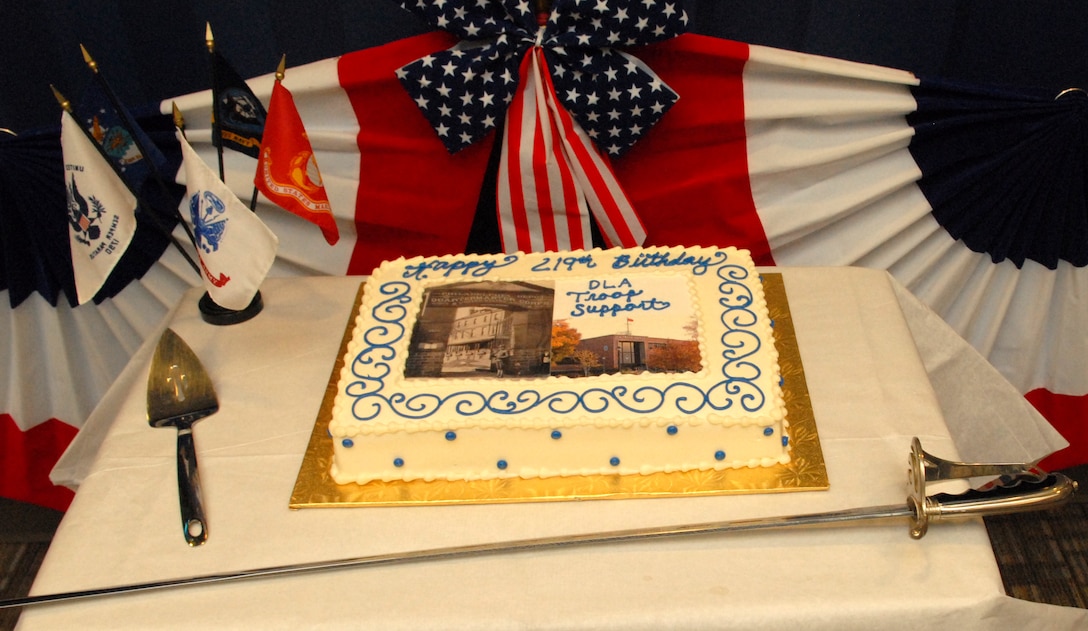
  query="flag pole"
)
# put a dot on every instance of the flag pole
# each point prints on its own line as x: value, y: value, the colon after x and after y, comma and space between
x: 128, y: 124
x: 209, y: 42
x: 281, y: 70
x: 66, y: 105
x: 279, y: 77
x: 280, y: 74
x: 211, y: 311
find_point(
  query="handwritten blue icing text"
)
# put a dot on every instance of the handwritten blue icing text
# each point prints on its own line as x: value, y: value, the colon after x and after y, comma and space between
x: 446, y: 269
x: 610, y: 298
x: 698, y: 264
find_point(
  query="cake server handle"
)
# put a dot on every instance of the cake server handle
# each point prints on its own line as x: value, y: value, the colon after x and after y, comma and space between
x: 193, y: 523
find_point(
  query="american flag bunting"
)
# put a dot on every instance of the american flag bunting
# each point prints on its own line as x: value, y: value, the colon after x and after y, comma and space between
x: 566, y: 98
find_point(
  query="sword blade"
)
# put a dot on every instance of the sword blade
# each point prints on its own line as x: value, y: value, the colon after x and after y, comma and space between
x: 1022, y: 493
x: 501, y: 547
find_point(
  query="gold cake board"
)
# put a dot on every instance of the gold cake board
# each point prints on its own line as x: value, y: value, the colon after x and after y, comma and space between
x: 805, y: 471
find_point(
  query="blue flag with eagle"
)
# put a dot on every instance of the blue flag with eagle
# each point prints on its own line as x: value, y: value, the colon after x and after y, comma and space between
x: 120, y: 136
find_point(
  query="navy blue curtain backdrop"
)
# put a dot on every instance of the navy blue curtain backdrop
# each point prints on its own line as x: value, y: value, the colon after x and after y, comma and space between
x: 1025, y: 53
x: 34, y: 249
x: 1004, y: 170
x: 154, y: 49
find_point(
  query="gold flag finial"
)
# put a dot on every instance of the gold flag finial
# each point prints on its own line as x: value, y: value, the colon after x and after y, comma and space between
x: 280, y: 70
x: 179, y: 120
x: 64, y: 103
x: 88, y: 59
x: 209, y: 41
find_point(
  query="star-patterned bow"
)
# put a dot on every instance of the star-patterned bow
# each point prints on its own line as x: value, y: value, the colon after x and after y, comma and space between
x: 566, y: 96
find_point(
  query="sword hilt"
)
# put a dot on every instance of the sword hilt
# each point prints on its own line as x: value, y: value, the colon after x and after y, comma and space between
x: 936, y: 468
x: 1021, y: 489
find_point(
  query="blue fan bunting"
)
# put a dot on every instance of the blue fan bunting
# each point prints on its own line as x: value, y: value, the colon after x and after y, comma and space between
x: 1004, y: 171
x: 34, y: 250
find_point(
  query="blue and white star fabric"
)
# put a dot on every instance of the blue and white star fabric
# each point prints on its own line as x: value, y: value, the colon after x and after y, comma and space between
x: 566, y: 98
x: 464, y: 91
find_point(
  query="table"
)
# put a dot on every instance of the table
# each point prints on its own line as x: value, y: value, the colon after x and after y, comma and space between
x: 866, y: 347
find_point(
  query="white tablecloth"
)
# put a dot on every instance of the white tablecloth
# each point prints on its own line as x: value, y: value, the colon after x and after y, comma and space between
x: 860, y: 336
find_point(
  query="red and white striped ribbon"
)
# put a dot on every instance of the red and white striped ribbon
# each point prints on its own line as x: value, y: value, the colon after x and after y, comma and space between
x: 551, y: 176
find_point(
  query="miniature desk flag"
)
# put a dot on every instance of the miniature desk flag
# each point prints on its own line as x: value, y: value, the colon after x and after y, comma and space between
x: 236, y: 249
x: 101, y: 210
x: 239, y: 116
x: 116, y: 130
x: 287, y: 172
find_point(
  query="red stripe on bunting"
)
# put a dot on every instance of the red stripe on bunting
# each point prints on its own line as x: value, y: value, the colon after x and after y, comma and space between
x: 413, y: 198
x: 542, y: 175
x: 565, y: 211
x: 1067, y: 413
x: 26, y: 458
x: 512, y: 202
x: 540, y: 203
x: 574, y: 211
x: 614, y: 226
x: 619, y: 222
x: 688, y: 175
x: 569, y: 211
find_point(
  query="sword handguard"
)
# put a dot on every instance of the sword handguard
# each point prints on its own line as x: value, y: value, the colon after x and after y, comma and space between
x: 1024, y: 491
x: 936, y: 468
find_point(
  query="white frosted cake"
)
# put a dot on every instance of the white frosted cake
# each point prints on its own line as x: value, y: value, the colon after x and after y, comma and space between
x: 622, y: 361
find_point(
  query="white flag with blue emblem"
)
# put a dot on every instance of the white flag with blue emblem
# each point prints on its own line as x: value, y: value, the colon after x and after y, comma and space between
x: 101, y: 210
x: 236, y: 249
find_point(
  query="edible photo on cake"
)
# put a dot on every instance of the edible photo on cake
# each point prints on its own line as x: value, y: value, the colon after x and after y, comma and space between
x: 573, y: 328
x: 624, y: 324
x: 488, y: 329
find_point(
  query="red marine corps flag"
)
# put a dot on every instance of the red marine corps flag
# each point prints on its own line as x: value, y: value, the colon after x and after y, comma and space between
x: 287, y: 172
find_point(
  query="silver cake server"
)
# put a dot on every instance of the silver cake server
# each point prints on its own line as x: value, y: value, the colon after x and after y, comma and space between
x: 180, y: 393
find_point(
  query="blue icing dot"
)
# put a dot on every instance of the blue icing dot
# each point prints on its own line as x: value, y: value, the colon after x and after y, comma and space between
x: 767, y: 431
x: 785, y: 441
x: 772, y: 323
x: 556, y: 434
x: 781, y: 380
x: 719, y: 455
x: 501, y: 464
x: 398, y: 462
x: 347, y: 442
x: 451, y: 435
x: 614, y: 461
x: 671, y: 430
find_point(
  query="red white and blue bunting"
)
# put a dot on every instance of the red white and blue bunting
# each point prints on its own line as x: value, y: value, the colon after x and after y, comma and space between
x: 565, y: 98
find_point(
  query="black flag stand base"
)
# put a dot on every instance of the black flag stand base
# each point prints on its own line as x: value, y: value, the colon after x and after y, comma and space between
x: 213, y: 313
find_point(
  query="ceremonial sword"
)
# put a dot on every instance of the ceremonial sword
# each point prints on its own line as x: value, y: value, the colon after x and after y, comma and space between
x: 1017, y: 488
